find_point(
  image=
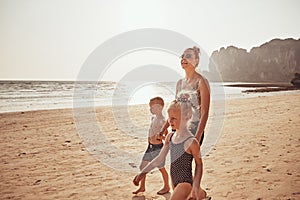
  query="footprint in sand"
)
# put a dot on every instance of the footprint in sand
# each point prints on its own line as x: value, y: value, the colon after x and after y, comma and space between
x: 133, y: 165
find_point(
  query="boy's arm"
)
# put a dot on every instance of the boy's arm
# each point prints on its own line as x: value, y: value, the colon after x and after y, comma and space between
x: 164, y: 129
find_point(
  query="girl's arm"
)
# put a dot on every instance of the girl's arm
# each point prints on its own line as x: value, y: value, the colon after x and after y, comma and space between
x: 203, y: 87
x: 154, y: 163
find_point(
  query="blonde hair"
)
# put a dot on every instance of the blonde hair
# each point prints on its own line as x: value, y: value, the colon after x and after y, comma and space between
x: 183, y: 104
x: 197, y: 53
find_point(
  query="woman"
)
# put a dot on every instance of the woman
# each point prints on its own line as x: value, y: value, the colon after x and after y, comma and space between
x: 197, y: 87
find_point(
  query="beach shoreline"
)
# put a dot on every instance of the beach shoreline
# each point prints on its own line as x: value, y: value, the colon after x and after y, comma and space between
x: 264, y: 87
x: 40, y: 95
x: 256, y: 156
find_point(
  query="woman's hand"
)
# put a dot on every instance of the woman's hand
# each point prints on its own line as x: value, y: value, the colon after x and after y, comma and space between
x: 198, y: 194
x: 195, y: 194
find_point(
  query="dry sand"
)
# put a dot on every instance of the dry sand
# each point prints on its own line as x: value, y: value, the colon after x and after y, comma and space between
x: 257, y: 155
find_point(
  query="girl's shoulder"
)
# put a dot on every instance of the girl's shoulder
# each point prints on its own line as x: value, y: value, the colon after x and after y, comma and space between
x: 190, y: 139
x: 191, y: 144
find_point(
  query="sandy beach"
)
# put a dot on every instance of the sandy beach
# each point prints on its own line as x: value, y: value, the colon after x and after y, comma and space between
x: 256, y: 157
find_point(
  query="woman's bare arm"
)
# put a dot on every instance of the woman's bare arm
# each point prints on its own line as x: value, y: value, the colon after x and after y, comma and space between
x: 204, y: 89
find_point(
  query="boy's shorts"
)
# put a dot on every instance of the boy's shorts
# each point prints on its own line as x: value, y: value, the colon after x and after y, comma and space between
x: 152, y: 152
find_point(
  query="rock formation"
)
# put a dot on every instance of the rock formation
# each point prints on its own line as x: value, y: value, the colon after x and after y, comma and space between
x: 274, y: 61
x: 296, y: 80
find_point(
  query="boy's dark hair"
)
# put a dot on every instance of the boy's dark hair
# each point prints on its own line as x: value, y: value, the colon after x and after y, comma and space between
x: 157, y: 100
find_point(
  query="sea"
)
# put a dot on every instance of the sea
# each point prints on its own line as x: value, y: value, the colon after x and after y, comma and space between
x: 18, y: 96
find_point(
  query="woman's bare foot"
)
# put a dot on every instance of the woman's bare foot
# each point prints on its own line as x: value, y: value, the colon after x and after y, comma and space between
x: 139, y: 190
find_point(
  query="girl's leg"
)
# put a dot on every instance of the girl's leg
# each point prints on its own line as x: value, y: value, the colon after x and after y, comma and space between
x: 181, y: 191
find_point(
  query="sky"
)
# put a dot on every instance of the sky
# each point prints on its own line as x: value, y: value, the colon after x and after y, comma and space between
x: 51, y: 39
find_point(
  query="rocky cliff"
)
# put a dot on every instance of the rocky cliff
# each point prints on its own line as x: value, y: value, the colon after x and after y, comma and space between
x: 274, y: 61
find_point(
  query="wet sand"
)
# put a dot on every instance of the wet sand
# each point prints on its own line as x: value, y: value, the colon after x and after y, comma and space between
x: 265, y: 87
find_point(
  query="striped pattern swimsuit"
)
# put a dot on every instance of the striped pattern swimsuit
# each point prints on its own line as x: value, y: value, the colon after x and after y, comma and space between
x: 181, y: 163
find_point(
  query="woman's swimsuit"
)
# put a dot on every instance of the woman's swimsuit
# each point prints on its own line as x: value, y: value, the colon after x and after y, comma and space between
x: 181, y: 163
x: 195, y: 100
x: 194, y: 97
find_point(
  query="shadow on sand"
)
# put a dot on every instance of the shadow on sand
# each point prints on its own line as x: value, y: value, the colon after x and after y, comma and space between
x: 142, y: 197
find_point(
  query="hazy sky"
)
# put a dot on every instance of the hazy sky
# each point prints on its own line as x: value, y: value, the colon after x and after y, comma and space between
x: 51, y: 39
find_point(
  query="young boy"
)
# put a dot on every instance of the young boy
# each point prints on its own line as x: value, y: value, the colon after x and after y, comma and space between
x: 154, y: 144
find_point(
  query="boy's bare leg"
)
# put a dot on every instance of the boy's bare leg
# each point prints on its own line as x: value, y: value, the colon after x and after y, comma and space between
x: 165, y: 176
x: 142, y: 187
